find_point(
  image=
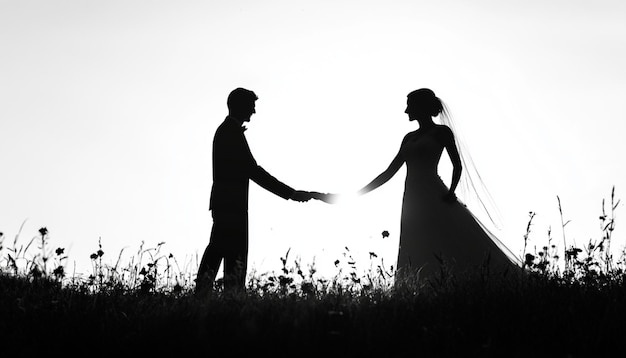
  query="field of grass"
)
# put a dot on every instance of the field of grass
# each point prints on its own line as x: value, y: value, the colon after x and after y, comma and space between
x: 570, y: 302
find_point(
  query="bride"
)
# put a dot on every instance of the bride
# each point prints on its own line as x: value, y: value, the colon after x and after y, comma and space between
x: 438, y: 232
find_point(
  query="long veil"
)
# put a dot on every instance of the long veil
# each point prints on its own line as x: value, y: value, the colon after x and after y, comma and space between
x: 471, y: 187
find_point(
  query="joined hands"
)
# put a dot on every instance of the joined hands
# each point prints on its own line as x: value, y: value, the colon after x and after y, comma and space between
x: 304, y: 196
x: 325, y: 197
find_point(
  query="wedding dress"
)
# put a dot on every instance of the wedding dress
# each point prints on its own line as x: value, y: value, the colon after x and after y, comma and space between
x: 436, y: 234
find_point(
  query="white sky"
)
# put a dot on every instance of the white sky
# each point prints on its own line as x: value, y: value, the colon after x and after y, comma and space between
x: 108, y: 109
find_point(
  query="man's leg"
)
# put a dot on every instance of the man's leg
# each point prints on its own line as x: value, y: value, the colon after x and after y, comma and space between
x: 212, y: 257
x: 235, y: 268
x: 210, y: 263
x: 236, y: 257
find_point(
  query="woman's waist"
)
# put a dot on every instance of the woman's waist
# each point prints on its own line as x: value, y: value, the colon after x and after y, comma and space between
x: 426, y: 182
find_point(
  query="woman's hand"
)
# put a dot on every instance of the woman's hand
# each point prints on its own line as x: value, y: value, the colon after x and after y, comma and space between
x: 450, y: 197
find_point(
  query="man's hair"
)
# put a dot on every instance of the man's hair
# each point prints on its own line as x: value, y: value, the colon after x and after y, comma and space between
x: 240, y: 97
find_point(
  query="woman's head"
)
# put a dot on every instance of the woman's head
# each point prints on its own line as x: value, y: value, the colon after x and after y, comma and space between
x: 423, y: 102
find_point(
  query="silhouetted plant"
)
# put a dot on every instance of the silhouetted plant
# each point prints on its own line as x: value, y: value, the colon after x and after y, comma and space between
x: 20, y: 263
x: 151, y: 271
x: 592, y: 265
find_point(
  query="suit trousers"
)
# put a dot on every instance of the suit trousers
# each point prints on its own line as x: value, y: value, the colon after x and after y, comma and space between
x: 228, y: 242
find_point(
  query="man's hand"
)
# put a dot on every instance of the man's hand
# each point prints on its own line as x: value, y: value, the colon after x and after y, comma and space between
x: 301, y: 196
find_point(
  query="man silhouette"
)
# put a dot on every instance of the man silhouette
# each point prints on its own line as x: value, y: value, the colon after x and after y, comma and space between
x: 233, y: 167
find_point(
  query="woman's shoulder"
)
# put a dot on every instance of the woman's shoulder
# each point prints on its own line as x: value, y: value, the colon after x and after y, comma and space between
x: 444, y: 133
x: 409, y: 135
x: 443, y: 128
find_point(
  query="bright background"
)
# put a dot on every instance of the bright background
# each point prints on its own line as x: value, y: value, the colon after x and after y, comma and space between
x: 108, y: 110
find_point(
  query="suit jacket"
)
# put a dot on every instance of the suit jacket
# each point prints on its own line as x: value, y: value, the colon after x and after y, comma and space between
x: 234, y: 166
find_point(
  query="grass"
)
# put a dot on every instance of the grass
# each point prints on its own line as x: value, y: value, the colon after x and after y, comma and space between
x: 569, y: 303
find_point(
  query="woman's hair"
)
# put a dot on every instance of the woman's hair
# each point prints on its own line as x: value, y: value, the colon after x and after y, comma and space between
x: 426, y: 99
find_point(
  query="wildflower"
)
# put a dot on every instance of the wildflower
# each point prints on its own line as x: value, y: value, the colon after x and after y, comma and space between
x: 43, y: 231
x: 385, y: 234
x: 59, y: 251
x: 59, y: 272
x: 284, y: 281
x: 93, y: 256
x: 573, y: 252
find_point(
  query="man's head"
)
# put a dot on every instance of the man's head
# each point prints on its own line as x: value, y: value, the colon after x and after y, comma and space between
x: 241, y: 104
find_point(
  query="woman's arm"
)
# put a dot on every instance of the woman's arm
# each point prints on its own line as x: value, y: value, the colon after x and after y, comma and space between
x: 381, y: 179
x: 455, y: 158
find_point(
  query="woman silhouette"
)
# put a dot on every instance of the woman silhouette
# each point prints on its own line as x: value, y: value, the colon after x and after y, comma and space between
x: 437, y: 231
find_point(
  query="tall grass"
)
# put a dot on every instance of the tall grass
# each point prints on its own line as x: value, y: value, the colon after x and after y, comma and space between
x: 568, y: 303
x: 593, y: 263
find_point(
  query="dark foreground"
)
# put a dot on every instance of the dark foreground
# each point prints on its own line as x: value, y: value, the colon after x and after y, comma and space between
x: 532, y: 317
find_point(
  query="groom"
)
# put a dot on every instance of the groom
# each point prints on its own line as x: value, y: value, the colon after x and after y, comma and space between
x: 233, y: 167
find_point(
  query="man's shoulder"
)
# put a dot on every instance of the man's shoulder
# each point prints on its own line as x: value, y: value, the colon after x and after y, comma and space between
x: 226, y: 127
x: 229, y: 134
x: 225, y: 123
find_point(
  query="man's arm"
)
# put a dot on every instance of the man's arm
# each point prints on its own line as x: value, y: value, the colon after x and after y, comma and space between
x: 270, y: 183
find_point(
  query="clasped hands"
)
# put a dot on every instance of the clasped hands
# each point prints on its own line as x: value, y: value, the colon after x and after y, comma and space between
x: 303, y: 196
